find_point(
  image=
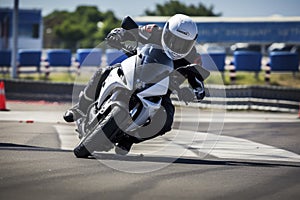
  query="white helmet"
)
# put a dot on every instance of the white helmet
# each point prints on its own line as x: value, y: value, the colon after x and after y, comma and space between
x: 179, y: 36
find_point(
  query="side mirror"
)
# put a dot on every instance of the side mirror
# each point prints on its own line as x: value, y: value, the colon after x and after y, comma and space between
x: 128, y: 23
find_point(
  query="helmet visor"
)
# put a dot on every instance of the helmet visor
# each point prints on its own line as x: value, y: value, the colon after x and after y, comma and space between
x: 177, y: 44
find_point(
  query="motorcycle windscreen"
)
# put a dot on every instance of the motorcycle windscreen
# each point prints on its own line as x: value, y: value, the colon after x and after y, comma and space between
x: 155, y: 65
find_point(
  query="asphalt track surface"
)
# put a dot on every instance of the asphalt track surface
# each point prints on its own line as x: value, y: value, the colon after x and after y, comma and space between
x: 256, y: 157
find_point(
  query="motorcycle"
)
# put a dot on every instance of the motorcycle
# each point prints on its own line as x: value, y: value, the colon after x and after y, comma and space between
x: 130, y: 98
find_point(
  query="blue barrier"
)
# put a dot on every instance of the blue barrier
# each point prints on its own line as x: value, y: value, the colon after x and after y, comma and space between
x: 214, y: 61
x: 59, y: 57
x: 89, y: 57
x: 114, y: 56
x: 247, y: 61
x: 284, y: 61
x: 5, y: 58
x: 29, y: 58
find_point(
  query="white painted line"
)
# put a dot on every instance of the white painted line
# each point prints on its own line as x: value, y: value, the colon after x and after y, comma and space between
x: 67, y: 136
x: 182, y: 143
x: 237, y: 148
x: 225, y: 147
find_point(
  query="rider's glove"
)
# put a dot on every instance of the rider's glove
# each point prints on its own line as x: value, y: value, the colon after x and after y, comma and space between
x: 199, y: 93
x: 115, y: 37
x: 199, y: 90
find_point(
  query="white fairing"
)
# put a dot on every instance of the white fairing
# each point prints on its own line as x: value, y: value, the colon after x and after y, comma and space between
x: 128, y: 69
x: 113, y: 80
x: 158, y: 89
x: 129, y: 82
x: 149, y: 107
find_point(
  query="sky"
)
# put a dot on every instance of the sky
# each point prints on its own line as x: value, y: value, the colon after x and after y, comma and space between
x: 228, y: 8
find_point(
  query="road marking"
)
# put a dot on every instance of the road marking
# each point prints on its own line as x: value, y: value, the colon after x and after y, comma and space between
x: 67, y: 136
x: 187, y: 143
x: 182, y: 143
x: 237, y: 148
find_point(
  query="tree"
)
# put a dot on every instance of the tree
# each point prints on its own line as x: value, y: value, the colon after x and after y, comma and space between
x: 51, y: 21
x: 69, y: 33
x: 78, y: 29
x: 172, y: 7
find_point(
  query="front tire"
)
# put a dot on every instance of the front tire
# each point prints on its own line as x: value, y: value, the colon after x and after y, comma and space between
x: 101, y: 138
x: 81, y: 152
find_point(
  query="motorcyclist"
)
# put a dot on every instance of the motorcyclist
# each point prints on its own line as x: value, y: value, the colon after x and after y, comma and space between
x: 177, y: 38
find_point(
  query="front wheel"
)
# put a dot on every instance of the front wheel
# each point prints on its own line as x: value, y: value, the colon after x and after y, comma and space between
x: 100, y: 139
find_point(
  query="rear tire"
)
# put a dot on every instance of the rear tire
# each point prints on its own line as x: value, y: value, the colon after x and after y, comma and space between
x: 100, y: 139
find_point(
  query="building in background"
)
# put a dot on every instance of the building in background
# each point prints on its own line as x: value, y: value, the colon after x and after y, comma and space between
x: 253, y: 32
x: 30, y: 29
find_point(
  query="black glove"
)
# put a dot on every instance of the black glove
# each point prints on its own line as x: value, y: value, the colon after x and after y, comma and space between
x: 199, y: 93
x: 115, y: 37
x: 199, y: 90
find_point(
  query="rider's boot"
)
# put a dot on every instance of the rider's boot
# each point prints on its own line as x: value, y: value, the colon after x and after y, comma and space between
x: 123, y: 147
x: 78, y: 110
x: 73, y: 114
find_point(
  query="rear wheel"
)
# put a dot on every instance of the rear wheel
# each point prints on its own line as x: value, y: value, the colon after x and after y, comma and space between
x: 101, y: 138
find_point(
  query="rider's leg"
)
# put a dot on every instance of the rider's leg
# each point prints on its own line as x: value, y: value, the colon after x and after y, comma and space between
x: 88, y: 95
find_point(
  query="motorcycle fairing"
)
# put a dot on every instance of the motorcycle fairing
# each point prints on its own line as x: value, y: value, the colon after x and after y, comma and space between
x: 132, y: 77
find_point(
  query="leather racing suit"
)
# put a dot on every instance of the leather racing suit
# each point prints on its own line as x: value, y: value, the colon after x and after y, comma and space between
x: 147, y: 34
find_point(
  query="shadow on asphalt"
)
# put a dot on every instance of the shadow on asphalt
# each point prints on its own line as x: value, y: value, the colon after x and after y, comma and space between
x: 138, y: 158
x: 23, y: 147
x: 141, y: 158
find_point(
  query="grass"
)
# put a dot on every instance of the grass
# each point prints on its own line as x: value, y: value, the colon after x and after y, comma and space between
x: 249, y: 78
x: 53, y: 77
x: 242, y: 78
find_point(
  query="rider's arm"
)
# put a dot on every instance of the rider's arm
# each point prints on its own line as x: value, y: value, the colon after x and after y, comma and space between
x: 150, y: 33
x: 195, y: 74
x: 146, y: 34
